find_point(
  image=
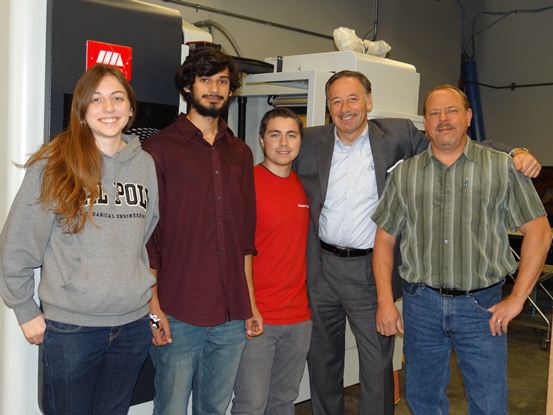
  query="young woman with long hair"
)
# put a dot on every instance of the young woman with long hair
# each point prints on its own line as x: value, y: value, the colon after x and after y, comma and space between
x: 85, y: 209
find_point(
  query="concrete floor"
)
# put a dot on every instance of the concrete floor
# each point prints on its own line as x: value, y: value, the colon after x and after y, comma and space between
x: 527, y: 371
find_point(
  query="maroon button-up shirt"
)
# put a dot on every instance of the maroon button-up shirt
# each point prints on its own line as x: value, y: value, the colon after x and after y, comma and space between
x: 206, y: 226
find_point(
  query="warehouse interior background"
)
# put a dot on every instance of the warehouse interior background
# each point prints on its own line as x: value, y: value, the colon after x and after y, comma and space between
x: 427, y: 34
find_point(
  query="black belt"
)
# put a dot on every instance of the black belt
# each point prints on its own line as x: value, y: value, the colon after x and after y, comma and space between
x: 345, y: 252
x: 452, y: 292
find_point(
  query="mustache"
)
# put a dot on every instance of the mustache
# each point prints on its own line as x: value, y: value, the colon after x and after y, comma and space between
x: 444, y: 125
x: 348, y: 114
x: 213, y: 96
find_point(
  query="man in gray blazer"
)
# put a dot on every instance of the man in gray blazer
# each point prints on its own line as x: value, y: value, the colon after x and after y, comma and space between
x: 343, y: 168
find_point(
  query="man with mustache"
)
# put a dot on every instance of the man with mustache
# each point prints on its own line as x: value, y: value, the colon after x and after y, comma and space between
x: 343, y: 167
x: 453, y: 205
x: 201, y: 250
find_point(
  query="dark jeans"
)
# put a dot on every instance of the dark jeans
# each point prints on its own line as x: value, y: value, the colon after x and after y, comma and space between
x: 93, y: 370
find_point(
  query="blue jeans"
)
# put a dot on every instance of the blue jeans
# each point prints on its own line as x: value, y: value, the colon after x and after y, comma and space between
x: 271, y: 369
x: 433, y: 325
x: 93, y: 370
x: 202, y: 360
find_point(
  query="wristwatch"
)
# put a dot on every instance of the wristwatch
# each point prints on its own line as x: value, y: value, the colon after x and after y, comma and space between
x: 154, y: 320
x: 514, y: 150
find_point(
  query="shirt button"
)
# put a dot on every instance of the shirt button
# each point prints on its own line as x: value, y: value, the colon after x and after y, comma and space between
x: 446, y: 242
x: 216, y: 171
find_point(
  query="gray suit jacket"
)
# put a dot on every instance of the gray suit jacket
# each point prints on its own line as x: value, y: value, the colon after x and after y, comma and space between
x: 391, y: 140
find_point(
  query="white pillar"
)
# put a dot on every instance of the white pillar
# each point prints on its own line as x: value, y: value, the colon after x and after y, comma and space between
x: 22, y: 85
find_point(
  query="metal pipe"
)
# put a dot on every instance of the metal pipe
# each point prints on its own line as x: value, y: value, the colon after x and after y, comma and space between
x: 242, y: 101
x: 250, y: 19
x: 375, y: 26
x: 289, y: 101
x: 223, y: 30
x: 512, y: 86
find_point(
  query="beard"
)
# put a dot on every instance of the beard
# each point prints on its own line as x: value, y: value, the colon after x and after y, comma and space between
x: 211, y: 110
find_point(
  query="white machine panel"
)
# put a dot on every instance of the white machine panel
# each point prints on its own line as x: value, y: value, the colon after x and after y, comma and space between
x: 395, y: 84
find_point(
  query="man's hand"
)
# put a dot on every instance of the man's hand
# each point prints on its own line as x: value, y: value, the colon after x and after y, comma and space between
x: 388, y: 319
x: 526, y: 163
x: 254, y: 325
x: 34, y: 329
x: 162, y: 334
x: 503, y: 313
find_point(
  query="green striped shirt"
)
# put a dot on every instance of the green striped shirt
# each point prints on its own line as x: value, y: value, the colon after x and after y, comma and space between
x: 454, y: 220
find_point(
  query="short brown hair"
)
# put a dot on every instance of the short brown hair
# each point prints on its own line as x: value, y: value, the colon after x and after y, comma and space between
x: 349, y: 74
x: 459, y: 92
x: 279, y: 113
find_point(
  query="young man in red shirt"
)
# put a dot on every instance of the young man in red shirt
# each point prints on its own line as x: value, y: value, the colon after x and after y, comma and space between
x: 272, y: 365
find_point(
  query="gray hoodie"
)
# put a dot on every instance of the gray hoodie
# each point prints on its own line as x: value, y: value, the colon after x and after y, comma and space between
x: 99, y: 276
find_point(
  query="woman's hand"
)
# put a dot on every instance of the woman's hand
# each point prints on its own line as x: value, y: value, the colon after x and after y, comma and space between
x: 34, y: 329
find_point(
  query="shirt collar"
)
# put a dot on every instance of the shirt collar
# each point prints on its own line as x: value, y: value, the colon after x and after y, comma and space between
x: 362, y: 138
x: 469, y: 152
x: 189, y: 130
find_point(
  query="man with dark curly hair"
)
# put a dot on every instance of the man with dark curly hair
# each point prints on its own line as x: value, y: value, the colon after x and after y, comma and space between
x: 201, y: 251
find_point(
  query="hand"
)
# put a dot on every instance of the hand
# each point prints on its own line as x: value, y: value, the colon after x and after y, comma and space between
x: 34, y: 329
x: 526, y: 163
x: 503, y: 313
x: 162, y: 334
x: 254, y: 325
x: 388, y: 319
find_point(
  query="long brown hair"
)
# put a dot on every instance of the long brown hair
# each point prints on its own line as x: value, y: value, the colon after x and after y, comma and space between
x: 74, y: 163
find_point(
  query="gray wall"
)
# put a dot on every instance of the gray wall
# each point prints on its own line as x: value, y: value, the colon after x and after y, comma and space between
x: 424, y: 33
x: 517, y: 49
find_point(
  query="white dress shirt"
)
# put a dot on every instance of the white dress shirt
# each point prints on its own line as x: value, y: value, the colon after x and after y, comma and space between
x: 351, y: 196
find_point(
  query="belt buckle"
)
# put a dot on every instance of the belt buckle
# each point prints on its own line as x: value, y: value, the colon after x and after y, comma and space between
x: 447, y: 292
x: 341, y: 251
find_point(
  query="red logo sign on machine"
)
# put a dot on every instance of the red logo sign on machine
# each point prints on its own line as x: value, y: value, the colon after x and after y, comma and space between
x: 110, y: 54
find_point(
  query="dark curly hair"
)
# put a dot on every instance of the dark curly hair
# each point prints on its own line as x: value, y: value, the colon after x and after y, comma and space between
x: 205, y: 61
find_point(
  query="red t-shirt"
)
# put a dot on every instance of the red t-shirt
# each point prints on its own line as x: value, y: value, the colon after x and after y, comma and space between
x: 279, y: 271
